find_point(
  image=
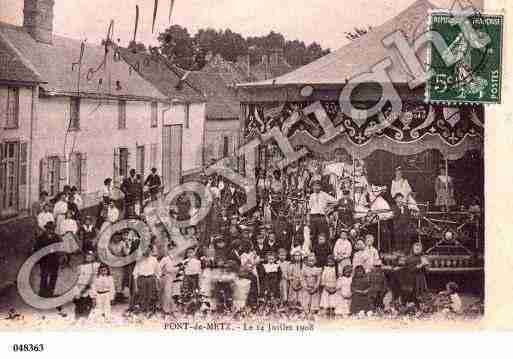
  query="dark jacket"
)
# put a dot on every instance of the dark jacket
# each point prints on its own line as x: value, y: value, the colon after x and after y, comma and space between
x: 46, y: 239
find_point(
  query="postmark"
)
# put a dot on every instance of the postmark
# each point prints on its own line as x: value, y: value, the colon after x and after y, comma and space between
x: 470, y: 69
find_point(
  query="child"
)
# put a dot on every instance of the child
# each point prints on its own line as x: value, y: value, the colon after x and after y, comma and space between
x: 206, y: 284
x: 295, y: 278
x: 342, y: 251
x: 192, y: 271
x: 372, y: 252
x: 223, y: 285
x: 119, y: 249
x: 271, y: 278
x: 168, y: 271
x: 103, y: 292
x: 322, y: 249
x: 272, y: 244
x: 146, y: 273
x: 454, y: 305
x: 69, y: 230
x: 344, y: 287
x: 260, y: 247
x: 361, y: 257
x: 311, y: 277
x: 329, y: 286
x: 418, y: 263
x: 241, y: 290
x: 83, y: 296
x: 360, y: 287
x: 249, y: 272
x: 284, y: 267
x: 378, y: 286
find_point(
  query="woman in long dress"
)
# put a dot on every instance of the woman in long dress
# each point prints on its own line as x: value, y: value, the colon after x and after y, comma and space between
x: 402, y: 186
x: 444, y: 189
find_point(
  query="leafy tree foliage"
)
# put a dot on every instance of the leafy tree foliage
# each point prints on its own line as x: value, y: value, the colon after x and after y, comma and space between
x: 189, y: 52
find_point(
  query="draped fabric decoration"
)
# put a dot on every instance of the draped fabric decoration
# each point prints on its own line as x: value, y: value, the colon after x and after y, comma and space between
x: 432, y: 126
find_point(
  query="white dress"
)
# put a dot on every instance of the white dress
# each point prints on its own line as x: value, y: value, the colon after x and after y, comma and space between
x: 69, y: 229
x: 329, y: 280
x: 403, y: 187
x: 59, y: 211
x: 344, y: 291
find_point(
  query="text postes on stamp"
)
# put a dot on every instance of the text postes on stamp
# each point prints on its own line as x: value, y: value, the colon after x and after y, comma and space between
x: 469, y: 69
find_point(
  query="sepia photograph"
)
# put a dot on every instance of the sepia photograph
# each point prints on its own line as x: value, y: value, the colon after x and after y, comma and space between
x: 233, y: 166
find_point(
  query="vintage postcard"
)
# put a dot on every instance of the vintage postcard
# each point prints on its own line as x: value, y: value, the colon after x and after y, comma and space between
x: 224, y: 166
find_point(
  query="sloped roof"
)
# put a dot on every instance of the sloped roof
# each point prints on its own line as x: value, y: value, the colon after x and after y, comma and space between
x: 163, y: 75
x: 53, y: 64
x: 12, y: 65
x: 222, y: 101
x: 360, y: 55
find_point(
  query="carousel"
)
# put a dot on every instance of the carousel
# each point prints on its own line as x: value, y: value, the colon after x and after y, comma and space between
x: 427, y: 159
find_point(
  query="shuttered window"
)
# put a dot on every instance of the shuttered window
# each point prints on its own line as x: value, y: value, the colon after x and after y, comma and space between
x: 122, y: 114
x: 50, y: 178
x: 13, y: 108
x: 123, y: 162
x: 154, y: 114
x: 226, y: 146
x: 9, y: 177
x: 23, y: 181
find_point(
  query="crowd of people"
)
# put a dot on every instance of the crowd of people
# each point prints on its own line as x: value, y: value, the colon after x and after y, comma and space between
x: 303, y: 250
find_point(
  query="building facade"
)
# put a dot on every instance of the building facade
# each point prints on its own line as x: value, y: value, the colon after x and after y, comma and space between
x: 74, y: 114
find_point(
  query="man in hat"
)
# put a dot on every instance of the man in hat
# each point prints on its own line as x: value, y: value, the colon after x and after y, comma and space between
x: 132, y: 189
x: 49, y: 264
x: 318, y: 204
x: 345, y: 209
x: 153, y: 182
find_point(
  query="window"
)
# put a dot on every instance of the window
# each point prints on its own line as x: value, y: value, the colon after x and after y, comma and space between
x: 154, y: 114
x: 13, y: 107
x: 74, y: 120
x: 122, y: 114
x: 78, y: 171
x: 186, y: 120
x: 123, y: 162
x: 50, y: 175
x: 226, y: 146
x: 9, y: 176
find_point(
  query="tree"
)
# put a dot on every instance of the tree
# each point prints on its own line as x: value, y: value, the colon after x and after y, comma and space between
x: 295, y: 52
x: 178, y: 46
x: 208, y: 40
x: 190, y: 52
x: 232, y: 45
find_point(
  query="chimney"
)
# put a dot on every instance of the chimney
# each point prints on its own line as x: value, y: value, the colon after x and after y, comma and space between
x: 38, y: 19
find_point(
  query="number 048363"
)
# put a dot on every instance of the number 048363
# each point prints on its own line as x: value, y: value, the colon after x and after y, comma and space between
x: 28, y: 347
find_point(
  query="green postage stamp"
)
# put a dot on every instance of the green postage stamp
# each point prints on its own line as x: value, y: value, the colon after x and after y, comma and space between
x: 468, y: 68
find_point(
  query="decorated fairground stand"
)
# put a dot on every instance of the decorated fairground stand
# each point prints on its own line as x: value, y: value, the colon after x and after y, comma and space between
x: 425, y: 140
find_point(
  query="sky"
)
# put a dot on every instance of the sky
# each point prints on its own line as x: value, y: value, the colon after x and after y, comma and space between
x: 324, y: 21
